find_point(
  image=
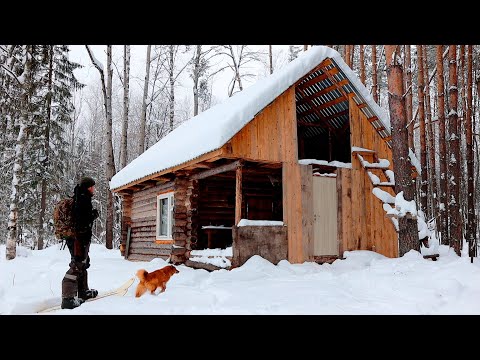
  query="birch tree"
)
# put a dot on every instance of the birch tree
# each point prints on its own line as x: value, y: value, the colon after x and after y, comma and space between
x: 201, y: 75
x: 239, y: 57
x: 362, y: 65
x: 143, y: 118
x: 408, y: 228
x: 270, y: 57
x: 126, y: 100
x: 110, y: 164
x: 374, y: 74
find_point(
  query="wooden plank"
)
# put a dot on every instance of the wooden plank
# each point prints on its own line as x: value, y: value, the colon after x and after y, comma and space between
x: 151, y: 200
x: 149, y: 245
x: 307, y: 212
x: 142, y: 214
x: 148, y: 251
x: 307, y: 98
x: 238, y: 194
x: 202, y: 158
x: 136, y: 234
x: 141, y: 257
x: 307, y: 124
x: 142, y: 239
x: 316, y: 79
x: 152, y: 192
x: 315, y: 109
x: 333, y: 116
x: 218, y: 170
x: 145, y: 220
x: 259, y: 139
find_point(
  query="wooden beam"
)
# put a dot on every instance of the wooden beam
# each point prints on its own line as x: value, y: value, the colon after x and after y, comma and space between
x: 315, y: 109
x: 307, y: 124
x: 310, y: 82
x: 238, y: 194
x: 315, y: 80
x: 329, y: 117
x: 372, y: 119
x: 218, y: 170
x: 330, y: 74
x: 199, y: 165
x: 361, y: 106
x: 322, y: 92
x: 215, y: 154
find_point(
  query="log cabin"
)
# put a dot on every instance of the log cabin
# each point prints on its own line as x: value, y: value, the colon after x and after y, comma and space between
x: 298, y: 166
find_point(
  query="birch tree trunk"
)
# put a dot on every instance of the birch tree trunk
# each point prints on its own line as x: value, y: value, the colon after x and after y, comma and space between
x: 126, y: 85
x: 196, y: 77
x: 471, y: 225
x: 143, y: 118
x: 43, y: 199
x: 374, y: 74
x: 172, y: 85
x: 444, y: 227
x: 421, y: 122
x: 409, y: 95
x: 270, y: 57
x: 27, y: 89
x: 432, y: 174
x: 110, y: 171
x: 408, y: 228
x: 454, y: 160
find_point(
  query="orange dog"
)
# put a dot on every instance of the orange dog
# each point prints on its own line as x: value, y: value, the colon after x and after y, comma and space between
x: 151, y: 281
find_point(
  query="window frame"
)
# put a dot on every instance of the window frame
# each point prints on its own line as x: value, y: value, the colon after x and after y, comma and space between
x: 170, y: 204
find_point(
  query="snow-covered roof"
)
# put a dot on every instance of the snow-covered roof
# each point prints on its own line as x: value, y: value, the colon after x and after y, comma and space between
x: 213, y: 128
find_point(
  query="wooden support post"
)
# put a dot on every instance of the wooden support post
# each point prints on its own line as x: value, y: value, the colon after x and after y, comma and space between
x: 238, y: 194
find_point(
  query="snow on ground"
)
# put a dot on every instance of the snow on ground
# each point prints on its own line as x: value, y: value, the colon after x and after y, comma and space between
x: 364, y: 283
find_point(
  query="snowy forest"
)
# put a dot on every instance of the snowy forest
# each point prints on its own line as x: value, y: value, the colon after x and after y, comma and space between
x: 54, y: 129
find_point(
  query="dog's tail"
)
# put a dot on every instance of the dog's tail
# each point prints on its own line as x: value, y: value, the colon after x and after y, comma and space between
x: 141, y: 274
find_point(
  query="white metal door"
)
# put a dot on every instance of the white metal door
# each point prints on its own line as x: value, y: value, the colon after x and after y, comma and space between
x: 325, y: 215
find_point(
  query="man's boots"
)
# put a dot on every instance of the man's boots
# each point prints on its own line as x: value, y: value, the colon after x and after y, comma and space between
x: 71, y: 303
x: 88, y: 294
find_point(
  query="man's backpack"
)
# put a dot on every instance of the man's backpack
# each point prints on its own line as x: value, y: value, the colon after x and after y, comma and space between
x: 63, y: 220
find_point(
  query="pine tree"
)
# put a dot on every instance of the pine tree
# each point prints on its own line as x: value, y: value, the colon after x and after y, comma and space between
x: 408, y: 228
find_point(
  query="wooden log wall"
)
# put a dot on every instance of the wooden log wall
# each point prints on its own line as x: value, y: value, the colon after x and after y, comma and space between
x: 180, y: 219
x: 126, y: 221
x: 144, y: 225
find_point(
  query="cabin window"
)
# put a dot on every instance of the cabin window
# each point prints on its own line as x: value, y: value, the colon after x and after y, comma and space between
x: 165, y: 216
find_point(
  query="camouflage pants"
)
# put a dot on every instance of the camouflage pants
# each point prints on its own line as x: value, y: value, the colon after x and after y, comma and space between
x: 75, y: 281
